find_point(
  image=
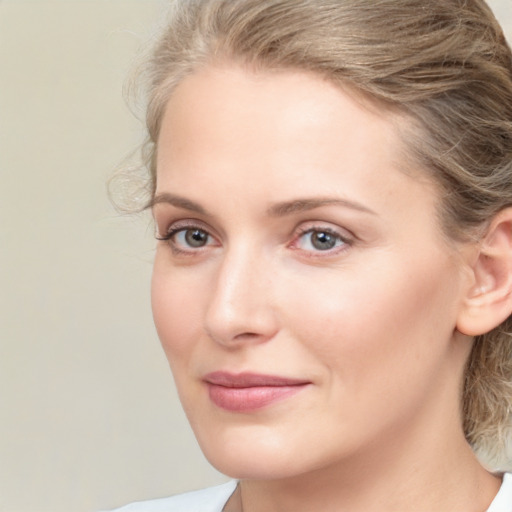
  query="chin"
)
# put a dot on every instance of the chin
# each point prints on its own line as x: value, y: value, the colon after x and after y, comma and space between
x: 258, y: 455
x: 237, y: 466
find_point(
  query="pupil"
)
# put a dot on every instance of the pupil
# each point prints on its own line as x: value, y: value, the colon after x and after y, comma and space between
x: 323, y: 241
x: 196, y: 238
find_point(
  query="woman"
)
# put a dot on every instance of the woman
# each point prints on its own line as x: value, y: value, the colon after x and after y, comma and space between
x: 331, y: 183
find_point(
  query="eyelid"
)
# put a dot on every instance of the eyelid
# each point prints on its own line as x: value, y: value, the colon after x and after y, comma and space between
x: 173, y: 226
x: 178, y: 226
x: 342, y: 234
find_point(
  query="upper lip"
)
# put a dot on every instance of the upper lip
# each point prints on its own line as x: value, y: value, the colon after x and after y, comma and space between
x: 250, y: 380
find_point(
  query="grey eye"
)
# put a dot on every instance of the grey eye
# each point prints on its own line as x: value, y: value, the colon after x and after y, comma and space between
x: 323, y: 241
x: 320, y: 240
x: 194, y: 237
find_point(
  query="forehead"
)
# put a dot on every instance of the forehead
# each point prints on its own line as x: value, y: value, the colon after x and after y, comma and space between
x: 280, y: 133
x: 288, y: 109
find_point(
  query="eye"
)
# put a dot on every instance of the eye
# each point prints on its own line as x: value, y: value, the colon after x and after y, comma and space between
x: 193, y: 238
x: 320, y: 240
x: 184, y: 239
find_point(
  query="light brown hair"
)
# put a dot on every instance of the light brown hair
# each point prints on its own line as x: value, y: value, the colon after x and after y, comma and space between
x: 445, y: 64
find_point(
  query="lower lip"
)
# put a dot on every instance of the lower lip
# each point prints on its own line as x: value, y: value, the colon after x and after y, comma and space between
x: 250, y: 399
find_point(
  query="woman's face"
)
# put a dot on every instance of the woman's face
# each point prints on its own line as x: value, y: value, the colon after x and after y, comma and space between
x: 305, y: 296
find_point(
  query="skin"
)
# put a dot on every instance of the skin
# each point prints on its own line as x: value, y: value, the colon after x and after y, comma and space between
x: 370, y: 323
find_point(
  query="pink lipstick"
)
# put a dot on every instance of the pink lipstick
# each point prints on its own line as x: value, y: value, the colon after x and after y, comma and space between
x: 244, y: 392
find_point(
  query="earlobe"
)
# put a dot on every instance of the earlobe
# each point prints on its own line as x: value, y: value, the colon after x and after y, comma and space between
x: 488, y: 301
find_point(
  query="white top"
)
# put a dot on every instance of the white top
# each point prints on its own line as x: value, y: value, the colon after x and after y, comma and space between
x: 213, y: 499
x: 503, y: 500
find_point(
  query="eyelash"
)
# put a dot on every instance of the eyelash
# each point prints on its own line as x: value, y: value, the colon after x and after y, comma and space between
x: 183, y: 228
x: 342, y: 242
x: 346, y: 241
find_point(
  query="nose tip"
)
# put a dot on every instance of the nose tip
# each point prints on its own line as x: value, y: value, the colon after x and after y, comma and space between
x: 241, y: 308
x: 234, y: 329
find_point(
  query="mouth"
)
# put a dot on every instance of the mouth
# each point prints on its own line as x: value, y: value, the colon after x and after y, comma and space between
x: 245, y: 392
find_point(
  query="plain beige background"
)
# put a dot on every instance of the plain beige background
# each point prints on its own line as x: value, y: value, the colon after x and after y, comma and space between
x: 88, y: 415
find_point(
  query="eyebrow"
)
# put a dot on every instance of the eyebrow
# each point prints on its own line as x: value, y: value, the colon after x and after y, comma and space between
x: 306, y: 204
x: 178, y: 201
x: 276, y: 210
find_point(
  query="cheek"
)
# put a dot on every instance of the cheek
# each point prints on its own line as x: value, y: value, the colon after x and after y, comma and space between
x: 358, y: 319
x: 176, y: 312
x: 378, y: 340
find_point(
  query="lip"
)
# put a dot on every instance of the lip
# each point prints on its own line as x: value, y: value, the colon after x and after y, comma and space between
x: 244, y: 392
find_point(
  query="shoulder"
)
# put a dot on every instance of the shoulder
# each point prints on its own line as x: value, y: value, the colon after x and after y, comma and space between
x: 211, y: 499
x: 503, y: 501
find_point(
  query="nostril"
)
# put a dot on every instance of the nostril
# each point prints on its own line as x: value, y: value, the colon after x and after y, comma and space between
x: 247, y: 335
x: 229, y: 335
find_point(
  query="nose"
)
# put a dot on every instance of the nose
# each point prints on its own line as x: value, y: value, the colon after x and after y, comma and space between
x: 241, y: 307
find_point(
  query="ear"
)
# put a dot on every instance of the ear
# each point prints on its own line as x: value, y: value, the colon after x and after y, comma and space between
x: 488, y: 301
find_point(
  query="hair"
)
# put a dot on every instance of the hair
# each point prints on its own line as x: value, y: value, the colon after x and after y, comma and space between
x: 444, y: 64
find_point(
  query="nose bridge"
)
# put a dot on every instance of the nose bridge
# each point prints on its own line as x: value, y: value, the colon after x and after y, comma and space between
x: 240, y: 306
